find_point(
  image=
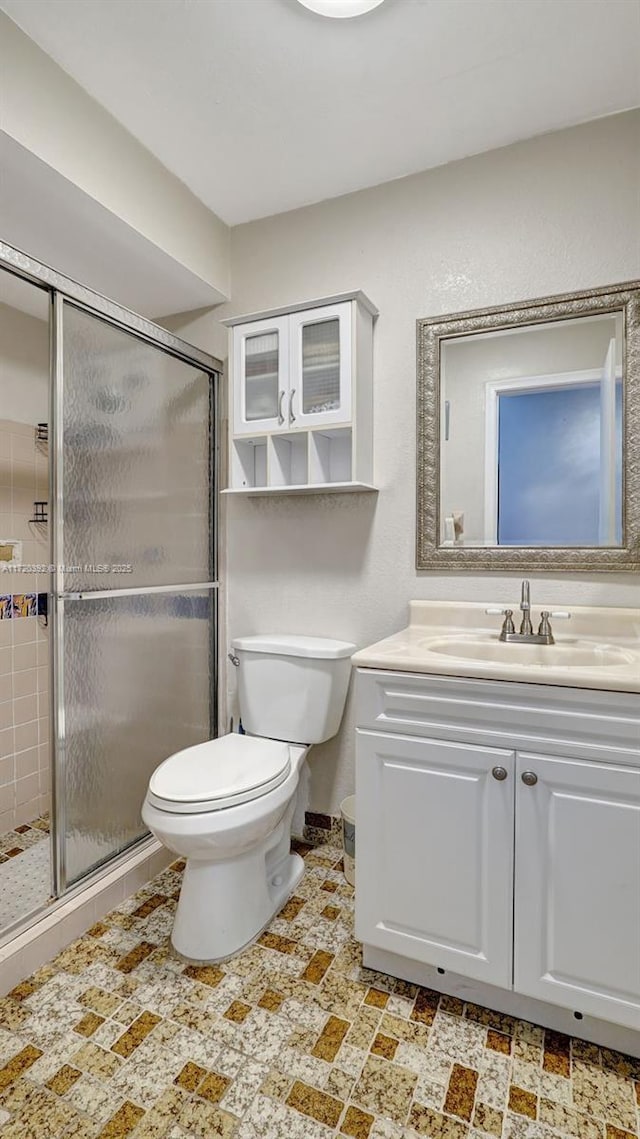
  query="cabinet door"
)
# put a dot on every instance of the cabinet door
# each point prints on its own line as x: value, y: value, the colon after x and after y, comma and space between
x: 577, y: 911
x: 321, y: 366
x: 260, y: 376
x: 434, y: 853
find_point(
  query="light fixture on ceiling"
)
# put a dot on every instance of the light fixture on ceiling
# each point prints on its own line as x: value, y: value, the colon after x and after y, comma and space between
x: 340, y: 9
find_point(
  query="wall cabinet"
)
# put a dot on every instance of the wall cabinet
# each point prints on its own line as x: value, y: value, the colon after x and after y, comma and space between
x: 515, y: 866
x: 301, y: 417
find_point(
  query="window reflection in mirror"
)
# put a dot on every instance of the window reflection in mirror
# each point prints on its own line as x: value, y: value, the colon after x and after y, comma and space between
x: 531, y: 435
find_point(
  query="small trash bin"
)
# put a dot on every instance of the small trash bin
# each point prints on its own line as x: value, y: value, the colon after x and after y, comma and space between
x: 348, y: 812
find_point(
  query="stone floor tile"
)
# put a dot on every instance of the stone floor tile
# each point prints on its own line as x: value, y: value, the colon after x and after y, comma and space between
x: 437, y: 1126
x: 356, y: 1123
x: 118, y: 1038
x: 461, y: 1092
x: 385, y: 1089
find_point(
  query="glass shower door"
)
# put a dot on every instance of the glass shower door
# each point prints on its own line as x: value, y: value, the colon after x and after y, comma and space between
x: 134, y: 592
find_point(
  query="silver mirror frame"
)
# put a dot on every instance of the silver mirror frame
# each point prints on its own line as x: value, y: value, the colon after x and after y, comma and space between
x: 430, y: 555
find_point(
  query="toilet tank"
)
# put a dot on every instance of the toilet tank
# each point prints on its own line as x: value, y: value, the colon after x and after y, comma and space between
x: 292, y: 688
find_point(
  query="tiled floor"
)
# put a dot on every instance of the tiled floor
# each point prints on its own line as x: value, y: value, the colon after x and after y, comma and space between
x: 15, y: 842
x: 291, y: 1039
x: 25, y: 870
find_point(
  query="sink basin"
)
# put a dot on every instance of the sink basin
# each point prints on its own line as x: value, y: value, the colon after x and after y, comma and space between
x: 576, y: 654
x: 453, y: 639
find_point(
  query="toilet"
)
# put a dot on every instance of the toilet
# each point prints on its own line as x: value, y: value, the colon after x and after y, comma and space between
x: 226, y: 805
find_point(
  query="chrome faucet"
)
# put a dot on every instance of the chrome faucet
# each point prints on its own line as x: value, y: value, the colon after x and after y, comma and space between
x: 526, y: 628
x: 526, y: 635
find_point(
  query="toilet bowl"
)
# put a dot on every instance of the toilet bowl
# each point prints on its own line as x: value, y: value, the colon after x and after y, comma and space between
x: 226, y: 805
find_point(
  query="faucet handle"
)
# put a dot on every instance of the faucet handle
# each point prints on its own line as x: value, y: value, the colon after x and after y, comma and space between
x: 507, y: 625
x: 544, y: 629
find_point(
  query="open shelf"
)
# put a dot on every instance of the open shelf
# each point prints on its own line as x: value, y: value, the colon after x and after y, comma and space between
x: 317, y: 461
x: 249, y: 462
x: 304, y: 488
x: 330, y: 455
x: 289, y: 460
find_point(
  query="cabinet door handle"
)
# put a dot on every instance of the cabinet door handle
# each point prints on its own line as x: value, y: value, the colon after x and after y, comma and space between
x: 280, y: 415
x: 292, y: 417
x: 530, y: 778
x: 499, y: 773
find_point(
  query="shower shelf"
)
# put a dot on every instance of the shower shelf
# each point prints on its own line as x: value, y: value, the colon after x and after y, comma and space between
x: 40, y: 512
x: 302, y: 488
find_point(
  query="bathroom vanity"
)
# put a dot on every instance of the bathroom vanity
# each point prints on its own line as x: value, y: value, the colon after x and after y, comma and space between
x: 498, y: 816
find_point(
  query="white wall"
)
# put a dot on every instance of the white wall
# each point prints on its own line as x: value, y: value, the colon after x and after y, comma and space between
x: 24, y: 365
x: 546, y: 216
x: 47, y: 112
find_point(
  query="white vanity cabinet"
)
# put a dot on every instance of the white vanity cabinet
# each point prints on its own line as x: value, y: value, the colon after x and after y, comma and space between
x: 498, y: 844
x: 301, y: 398
x: 434, y: 836
x: 577, y: 885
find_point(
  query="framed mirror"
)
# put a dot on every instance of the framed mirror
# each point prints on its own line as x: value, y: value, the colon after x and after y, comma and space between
x: 529, y: 435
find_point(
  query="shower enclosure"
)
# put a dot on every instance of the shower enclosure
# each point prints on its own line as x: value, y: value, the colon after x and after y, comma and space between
x: 132, y: 592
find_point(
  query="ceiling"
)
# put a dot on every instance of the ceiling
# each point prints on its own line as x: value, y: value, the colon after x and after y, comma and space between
x: 260, y: 106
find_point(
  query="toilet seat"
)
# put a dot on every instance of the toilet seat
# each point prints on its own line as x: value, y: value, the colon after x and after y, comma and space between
x: 219, y: 773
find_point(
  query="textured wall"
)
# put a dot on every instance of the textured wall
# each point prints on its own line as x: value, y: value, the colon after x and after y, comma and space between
x: 51, y: 115
x: 24, y: 364
x: 549, y: 215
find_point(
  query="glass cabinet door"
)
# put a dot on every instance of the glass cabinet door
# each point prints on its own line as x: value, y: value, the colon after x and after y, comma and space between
x: 261, y: 381
x: 320, y: 387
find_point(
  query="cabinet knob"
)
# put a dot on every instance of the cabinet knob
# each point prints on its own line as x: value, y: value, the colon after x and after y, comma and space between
x: 499, y: 773
x: 292, y: 417
x: 530, y: 778
x: 280, y: 415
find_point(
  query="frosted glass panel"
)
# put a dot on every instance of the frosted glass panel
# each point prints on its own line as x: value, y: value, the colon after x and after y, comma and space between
x: 321, y: 366
x: 137, y: 687
x: 261, y: 376
x: 136, y: 474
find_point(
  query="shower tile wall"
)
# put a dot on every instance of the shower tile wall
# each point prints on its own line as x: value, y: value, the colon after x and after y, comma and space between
x: 24, y: 651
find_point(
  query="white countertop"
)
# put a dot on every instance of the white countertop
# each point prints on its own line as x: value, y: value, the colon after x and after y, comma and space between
x: 433, y: 622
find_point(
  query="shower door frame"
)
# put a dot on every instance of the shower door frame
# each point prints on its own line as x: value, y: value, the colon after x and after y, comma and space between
x: 63, y: 289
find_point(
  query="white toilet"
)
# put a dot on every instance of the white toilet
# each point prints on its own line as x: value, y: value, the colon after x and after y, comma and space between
x: 226, y: 805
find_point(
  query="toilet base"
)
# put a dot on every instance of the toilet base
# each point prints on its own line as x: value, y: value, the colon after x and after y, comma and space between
x: 239, y: 867
x: 225, y: 906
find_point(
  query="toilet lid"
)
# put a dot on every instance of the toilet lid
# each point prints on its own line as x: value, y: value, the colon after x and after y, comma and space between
x: 219, y: 773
